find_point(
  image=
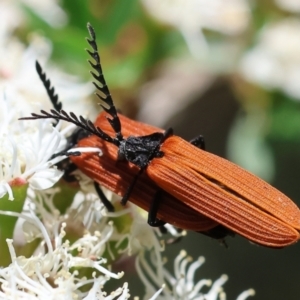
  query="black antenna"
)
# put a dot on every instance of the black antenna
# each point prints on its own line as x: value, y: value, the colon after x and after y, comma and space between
x: 59, y: 114
x: 103, y: 88
x: 78, y: 121
x: 50, y: 90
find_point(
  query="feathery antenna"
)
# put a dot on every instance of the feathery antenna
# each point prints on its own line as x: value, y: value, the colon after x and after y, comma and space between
x: 101, y: 85
x: 50, y: 90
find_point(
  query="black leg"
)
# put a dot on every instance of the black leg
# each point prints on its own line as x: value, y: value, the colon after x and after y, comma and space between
x: 130, y: 188
x: 155, y: 222
x: 219, y: 232
x: 152, y: 219
x: 198, y: 142
x: 103, y: 198
x: 167, y: 134
x: 68, y: 168
x: 162, y: 228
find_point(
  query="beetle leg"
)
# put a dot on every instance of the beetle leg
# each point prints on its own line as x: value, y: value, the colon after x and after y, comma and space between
x: 152, y: 219
x: 167, y: 134
x: 68, y: 168
x: 130, y: 188
x: 219, y: 232
x: 198, y: 141
x: 103, y: 198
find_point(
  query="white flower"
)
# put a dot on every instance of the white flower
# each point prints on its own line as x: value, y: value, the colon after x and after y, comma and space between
x: 289, y: 5
x: 52, y: 274
x: 18, y: 76
x: 11, y: 17
x: 20, y: 79
x: 191, y: 17
x: 96, y: 294
x: 26, y: 149
x: 48, y: 10
x: 182, y: 285
x: 275, y: 60
x: 141, y: 236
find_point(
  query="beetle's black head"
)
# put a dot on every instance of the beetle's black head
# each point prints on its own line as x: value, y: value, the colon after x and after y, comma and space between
x: 140, y: 150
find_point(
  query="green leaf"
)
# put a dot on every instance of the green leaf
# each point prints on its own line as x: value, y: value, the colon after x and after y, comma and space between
x: 7, y: 223
x: 63, y: 200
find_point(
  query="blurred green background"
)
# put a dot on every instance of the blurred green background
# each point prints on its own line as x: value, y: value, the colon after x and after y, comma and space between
x: 229, y: 71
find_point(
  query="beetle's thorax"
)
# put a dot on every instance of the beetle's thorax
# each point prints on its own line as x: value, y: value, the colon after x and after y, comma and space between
x: 140, y: 150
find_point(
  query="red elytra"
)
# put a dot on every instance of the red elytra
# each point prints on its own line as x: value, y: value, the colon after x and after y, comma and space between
x: 206, y: 189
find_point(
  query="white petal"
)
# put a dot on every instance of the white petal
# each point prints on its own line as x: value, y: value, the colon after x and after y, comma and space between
x: 44, y: 179
x: 5, y: 188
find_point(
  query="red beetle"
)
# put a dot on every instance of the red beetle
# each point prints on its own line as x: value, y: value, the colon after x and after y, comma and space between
x: 196, y: 189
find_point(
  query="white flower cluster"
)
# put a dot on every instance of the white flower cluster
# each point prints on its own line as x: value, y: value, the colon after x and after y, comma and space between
x: 182, y: 284
x: 12, y: 13
x: 52, y: 273
x: 26, y: 149
x: 56, y: 268
x: 274, y: 61
x: 192, y: 17
x: 274, y: 58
